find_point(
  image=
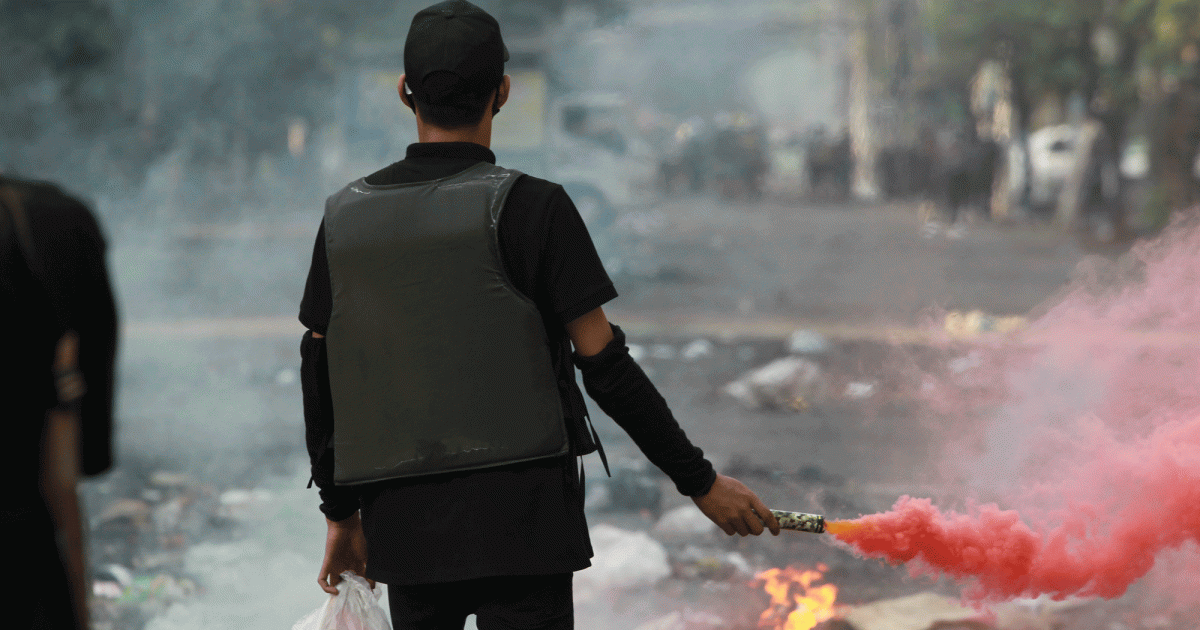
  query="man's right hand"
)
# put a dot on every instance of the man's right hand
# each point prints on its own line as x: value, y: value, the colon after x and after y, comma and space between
x: 345, y: 550
x: 736, y: 509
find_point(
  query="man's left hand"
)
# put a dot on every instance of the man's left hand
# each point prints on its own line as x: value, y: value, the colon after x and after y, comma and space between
x: 736, y: 509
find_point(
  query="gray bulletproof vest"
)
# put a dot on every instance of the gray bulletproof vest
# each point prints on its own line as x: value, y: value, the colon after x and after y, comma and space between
x: 436, y: 362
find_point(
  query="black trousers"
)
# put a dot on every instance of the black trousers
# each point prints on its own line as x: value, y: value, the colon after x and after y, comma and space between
x: 525, y: 602
x: 46, y: 603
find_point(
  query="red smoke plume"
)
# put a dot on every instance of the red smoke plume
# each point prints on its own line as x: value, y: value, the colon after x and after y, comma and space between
x: 1099, y: 436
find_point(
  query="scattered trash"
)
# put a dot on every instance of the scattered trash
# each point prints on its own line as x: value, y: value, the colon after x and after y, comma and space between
x: 157, y: 589
x: 242, y: 505
x: 630, y: 489
x: 790, y: 383
x: 974, y: 323
x: 117, y: 533
x: 686, y: 522
x: 963, y: 364
x: 740, y: 466
x: 662, y: 352
x: 623, y: 560
x: 930, y: 229
x: 697, y: 349
x: 132, y: 510
x: 697, y: 563
x: 685, y: 620
x: 174, y: 520
x: 915, y: 612
x: 1044, y: 613
x: 111, y: 580
x: 124, y: 600
x: 808, y: 342
x: 860, y: 391
x: 643, y: 223
x: 597, y: 497
x: 172, y: 480
x: 285, y: 377
x: 106, y: 589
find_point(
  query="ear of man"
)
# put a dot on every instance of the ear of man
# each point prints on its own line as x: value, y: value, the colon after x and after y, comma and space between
x: 405, y: 96
x: 500, y: 95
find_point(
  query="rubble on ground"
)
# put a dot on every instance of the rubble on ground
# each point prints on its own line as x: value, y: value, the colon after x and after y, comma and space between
x: 685, y: 620
x: 623, y: 559
x: 685, y: 524
x: 633, y: 487
x: 143, y: 529
x: 974, y: 323
x: 708, y: 563
x: 790, y: 383
x: 921, y: 611
x: 808, y: 342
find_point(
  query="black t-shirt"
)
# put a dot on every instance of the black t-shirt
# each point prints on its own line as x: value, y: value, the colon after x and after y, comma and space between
x: 71, y: 250
x: 522, y: 519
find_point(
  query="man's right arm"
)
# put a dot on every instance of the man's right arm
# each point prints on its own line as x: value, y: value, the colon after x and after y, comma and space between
x: 337, y: 502
x: 616, y: 382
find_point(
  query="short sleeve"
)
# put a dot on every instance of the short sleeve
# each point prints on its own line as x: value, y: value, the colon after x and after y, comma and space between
x: 316, y: 306
x: 548, y: 252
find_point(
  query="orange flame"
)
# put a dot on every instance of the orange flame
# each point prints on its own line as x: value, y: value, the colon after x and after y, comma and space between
x: 795, y: 603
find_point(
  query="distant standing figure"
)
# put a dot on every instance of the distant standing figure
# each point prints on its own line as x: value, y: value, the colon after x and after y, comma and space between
x: 61, y: 321
x: 968, y: 168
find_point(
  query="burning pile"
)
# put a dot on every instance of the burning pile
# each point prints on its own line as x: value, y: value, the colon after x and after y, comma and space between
x: 796, y: 604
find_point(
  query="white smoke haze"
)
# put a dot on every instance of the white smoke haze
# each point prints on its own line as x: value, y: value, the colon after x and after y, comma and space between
x: 226, y: 123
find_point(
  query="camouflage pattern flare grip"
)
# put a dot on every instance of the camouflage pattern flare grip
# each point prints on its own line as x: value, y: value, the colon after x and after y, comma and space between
x: 801, y: 522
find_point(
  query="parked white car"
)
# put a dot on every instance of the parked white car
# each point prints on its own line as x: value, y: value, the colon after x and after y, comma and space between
x: 1052, y: 155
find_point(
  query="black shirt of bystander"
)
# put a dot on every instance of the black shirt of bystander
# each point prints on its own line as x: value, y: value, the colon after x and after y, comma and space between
x: 53, y: 278
x: 71, y: 249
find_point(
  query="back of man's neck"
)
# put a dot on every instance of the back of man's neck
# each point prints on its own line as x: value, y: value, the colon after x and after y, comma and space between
x: 480, y: 134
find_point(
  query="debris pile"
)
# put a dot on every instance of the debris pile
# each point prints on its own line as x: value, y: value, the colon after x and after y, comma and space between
x: 141, y: 531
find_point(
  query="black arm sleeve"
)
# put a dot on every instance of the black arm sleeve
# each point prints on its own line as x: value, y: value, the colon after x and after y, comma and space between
x: 337, y: 502
x: 617, y: 383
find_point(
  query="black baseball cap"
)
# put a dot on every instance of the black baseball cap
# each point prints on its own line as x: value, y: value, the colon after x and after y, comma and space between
x: 453, y: 49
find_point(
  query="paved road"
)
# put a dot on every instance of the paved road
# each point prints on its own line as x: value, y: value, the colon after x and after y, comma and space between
x: 211, y: 334
x: 691, y: 265
x: 841, y: 265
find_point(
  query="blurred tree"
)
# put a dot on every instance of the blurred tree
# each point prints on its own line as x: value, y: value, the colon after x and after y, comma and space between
x: 99, y: 91
x: 1121, y: 56
x: 1168, y: 36
x: 61, y: 78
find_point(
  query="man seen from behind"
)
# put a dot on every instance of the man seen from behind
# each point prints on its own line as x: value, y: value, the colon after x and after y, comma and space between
x: 448, y: 304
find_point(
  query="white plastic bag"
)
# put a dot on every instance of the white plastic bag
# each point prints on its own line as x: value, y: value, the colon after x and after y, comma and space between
x: 355, y: 607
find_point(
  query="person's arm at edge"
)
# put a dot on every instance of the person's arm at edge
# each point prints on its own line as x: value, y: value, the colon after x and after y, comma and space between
x: 59, y: 478
x: 727, y: 502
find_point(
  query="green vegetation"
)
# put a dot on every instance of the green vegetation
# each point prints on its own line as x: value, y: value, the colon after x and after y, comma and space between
x: 1133, y: 62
